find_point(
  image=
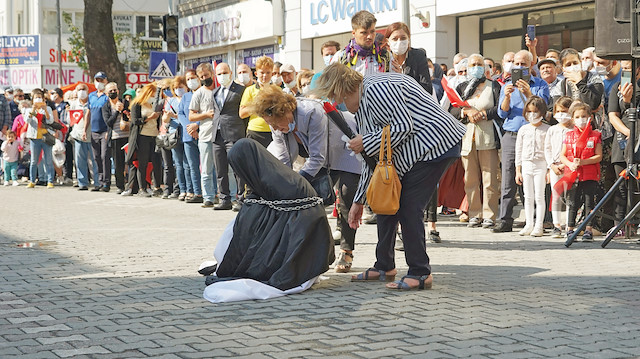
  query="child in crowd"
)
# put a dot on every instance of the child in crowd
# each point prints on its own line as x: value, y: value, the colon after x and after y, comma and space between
x: 581, y: 154
x: 531, y: 166
x: 10, y: 155
x: 552, y: 148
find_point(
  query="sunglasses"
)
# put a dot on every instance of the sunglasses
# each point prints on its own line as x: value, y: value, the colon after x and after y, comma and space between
x: 19, y: 96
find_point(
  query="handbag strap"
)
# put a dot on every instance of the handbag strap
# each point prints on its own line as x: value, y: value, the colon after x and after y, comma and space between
x: 386, y: 137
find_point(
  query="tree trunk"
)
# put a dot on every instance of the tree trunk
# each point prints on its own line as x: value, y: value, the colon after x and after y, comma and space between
x: 100, y: 45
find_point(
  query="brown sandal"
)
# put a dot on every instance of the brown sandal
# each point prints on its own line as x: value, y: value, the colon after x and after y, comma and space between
x: 343, y: 266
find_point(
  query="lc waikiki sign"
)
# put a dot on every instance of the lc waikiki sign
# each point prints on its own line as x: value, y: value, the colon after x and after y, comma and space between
x: 241, y: 22
x: 327, y: 17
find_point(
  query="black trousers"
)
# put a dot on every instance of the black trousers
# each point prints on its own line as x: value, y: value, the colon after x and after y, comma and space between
x: 145, y: 152
x: 620, y: 196
x: 221, y: 149
x: 347, y: 184
x: 418, y: 185
x: 264, y: 138
x: 118, y: 160
x: 67, y: 170
x: 169, y: 170
x: 583, y: 192
x: 432, y: 207
x: 102, y: 156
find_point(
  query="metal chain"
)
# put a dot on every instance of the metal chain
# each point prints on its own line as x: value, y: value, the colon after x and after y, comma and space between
x: 277, y: 204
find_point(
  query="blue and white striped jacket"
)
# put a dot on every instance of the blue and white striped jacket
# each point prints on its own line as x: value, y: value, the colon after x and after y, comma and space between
x: 420, y: 129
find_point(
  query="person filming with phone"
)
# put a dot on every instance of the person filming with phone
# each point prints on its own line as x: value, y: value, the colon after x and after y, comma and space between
x: 579, y: 84
x: 513, y: 95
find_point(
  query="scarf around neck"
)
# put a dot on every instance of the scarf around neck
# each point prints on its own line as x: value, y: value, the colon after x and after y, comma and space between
x: 353, y: 51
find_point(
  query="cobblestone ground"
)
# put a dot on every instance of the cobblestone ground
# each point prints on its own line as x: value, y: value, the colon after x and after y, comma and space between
x: 116, y: 277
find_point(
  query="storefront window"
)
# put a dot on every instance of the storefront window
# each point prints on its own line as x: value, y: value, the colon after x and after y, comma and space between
x: 502, y: 23
x: 141, y: 25
x: 249, y: 56
x: 50, y: 22
x: 562, y: 15
x: 155, y: 26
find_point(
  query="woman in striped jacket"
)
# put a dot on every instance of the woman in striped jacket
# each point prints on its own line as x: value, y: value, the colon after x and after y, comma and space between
x: 425, y: 140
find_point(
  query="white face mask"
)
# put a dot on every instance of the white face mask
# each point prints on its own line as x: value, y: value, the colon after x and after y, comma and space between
x: 581, y: 122
x: 306, y: 89
x: 507, y: 67
x: 562, y: 117
x: 244, y: 78
x: 534, y: 118
x: 193, y: 84
x: 602, y: 70
x: 9, y: 97
x: 291, y: 84
x: 399, y: 47
x: 54, y: 97
x: 572, y: 68
x: 586, y: 64
x: 224, y: 79
x: 82, y: 94
x: 37, y: 100
x: 180, y: 91
x: 327, y: 59
x: 99, y: 85
x: 276, y: 80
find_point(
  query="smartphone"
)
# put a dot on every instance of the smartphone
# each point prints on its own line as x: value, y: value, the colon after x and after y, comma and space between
x: 625, y: 78
x: 531, y: 31
x: 517, y: 74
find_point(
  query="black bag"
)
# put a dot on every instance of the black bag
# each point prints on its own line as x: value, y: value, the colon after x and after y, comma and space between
x: 48, y: 139
x: 323, y: 185
x: 54, y: 126
x: 168, y: 140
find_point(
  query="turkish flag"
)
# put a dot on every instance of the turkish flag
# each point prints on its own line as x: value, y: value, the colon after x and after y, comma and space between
x: 75, y: 116
x: 453, y: 96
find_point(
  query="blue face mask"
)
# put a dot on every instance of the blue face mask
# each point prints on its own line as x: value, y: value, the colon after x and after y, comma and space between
x: 292, y: 126
x: 475, y: 71
x: 327, y: 59
x: 168, y: 93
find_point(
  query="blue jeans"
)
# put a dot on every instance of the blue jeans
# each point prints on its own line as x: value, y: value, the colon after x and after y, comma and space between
x: 37, y: 146
x: 207, y: 171
x: 84, y: 153
x: 192, y: 159
x: 10, y: 170
x: 183, y: 172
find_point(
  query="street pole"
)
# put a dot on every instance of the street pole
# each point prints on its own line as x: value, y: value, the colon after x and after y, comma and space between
x: 59, y: 44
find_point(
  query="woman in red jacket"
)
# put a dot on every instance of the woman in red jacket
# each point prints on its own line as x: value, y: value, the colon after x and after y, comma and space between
x: 581, y: 154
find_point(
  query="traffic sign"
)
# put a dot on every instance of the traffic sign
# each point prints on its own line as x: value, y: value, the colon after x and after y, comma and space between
x: 162, y: 64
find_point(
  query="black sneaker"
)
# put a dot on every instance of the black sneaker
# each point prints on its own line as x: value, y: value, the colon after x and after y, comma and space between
x: 83, y: 188
x: 95, y: 189
x: 207, y: 204
x: 434, y: 236
x: 569, y: 234
x: 587, y: 236
x: 106, y: 189
x: 237, y: 206
x: 502, y: 227
x: 195, y: 199
x: 557, y: 233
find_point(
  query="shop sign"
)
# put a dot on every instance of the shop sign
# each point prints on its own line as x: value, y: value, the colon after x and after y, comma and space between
x: 249, y: 56
x: 137, y: 78
x: 19, y: 50
x: 70, y: 75
x: 24, y: 77
x: 214, y: 59
x: 122, y: 24
x: 326, y: 17
x: 241, y: 22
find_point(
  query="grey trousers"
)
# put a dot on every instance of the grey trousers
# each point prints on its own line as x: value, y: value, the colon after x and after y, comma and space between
x: 220, y: 150
x: 508, y: 186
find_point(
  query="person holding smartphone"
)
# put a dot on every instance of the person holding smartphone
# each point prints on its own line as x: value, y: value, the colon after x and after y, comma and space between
x: 580, y: 84
x: 117, y: 136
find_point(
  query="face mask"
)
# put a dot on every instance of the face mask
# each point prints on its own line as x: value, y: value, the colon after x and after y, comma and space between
x: 99, y: 85
x: 581, y: 122
x: 244, y: 78
x: 562, y: 117
x: 292, y: 126
x: 207, y: 82
x: 193, y: 84
x: 399, y: 47
x: 586, y: 64
x: 224, y: 79
x: 37, y: 100
x: 508, y: 67
x: 602, y: 70
x: 327, y: 59
x: 180, y: 91
x: 572, y: 68
x: 305, y: 90
x: 291, y: 84
x: 9, y: 97
x: 167, y: 93
x: 54, y: 97
x: 82, y: 94
x: 534, y: 118
x: 475, y: 71
x: 113, y: 95
x: 276, y: 80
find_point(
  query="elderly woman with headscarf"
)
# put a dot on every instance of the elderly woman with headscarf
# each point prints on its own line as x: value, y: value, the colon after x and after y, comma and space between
x: 425, y: 140
x: 480, y: 143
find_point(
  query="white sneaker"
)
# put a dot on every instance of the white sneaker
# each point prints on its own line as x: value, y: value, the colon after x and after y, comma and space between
x: 537, y: 232
x: 15, y: 183
x: 337, y: 235
x: 526, y: 230
x: 6, y: 183
x: 126, y: 193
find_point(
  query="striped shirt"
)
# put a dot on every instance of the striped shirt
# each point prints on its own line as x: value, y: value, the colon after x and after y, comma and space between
x: 420, y: 129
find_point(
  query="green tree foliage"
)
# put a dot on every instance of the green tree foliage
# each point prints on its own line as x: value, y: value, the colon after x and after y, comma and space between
x: 76, y: 40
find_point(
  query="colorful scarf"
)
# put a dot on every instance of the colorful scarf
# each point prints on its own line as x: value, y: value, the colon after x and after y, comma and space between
x: 352, y: 51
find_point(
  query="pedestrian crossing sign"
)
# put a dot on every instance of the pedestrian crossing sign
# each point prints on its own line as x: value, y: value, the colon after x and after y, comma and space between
x: 162, y: 64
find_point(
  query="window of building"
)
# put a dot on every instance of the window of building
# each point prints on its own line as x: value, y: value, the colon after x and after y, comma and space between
x: 155, y: 26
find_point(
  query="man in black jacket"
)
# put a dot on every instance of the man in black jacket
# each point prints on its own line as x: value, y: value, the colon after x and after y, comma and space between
x: 229, y: 129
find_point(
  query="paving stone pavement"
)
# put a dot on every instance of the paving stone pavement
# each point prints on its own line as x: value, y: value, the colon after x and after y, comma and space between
x: 114, y: 277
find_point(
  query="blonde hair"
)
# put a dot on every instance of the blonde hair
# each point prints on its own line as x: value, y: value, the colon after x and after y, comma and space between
x: 337, y: 81
x: 264, y: 62
x: 204, y: 66
x: 272, y: 101
x: 577, y: 106
x: 178, y: 81
x: 305, y: 74
x: 145, y: 94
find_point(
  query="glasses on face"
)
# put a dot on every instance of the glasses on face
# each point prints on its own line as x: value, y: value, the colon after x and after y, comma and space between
x: 19, y: 96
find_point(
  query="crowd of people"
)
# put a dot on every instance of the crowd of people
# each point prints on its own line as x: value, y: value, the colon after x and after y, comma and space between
x: 551, y: 127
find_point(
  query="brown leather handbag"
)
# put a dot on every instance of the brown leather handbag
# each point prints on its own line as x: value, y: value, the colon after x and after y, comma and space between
x: 383, y: 193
